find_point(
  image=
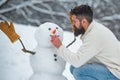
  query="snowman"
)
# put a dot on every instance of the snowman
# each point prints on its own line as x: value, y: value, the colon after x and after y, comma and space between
x: 46, y: 64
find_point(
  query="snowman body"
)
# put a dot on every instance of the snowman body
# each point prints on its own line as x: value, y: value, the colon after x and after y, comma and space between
x: 46, y: 64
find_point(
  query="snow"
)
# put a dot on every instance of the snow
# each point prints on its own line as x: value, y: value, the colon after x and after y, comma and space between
x: 15, y: 64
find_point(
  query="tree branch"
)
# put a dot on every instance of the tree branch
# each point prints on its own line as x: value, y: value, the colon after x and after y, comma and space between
x: 2, y: 2
x: 29, y: 19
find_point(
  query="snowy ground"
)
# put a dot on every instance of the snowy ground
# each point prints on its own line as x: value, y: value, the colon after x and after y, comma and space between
x: 12, y: 53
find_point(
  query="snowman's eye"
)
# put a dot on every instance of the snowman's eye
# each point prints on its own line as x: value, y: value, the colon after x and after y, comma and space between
x: 56, y: 27
x: 49, y: 28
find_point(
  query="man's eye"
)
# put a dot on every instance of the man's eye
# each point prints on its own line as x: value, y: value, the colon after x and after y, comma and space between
x: 49, y: 28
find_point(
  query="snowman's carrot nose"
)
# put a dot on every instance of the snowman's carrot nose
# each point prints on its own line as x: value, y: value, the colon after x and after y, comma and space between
x: 54, y: 31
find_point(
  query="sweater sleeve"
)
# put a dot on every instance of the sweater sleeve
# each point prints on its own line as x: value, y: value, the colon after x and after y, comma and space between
x: 92, y: 45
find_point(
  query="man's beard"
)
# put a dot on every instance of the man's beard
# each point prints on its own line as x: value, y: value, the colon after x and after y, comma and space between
x: 79, y: 31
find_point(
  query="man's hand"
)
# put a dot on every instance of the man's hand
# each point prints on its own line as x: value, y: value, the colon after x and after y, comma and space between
x: 56, y: 41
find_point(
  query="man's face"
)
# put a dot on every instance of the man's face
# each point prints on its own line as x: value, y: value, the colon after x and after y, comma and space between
x: 77, y: 26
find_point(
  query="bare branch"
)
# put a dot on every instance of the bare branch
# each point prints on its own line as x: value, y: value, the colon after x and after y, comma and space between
x: 4, y: 18
x: 19, y: 6
x: 47, y: 12
x: 29, y: 19
x: 3, y: 2
x: 113, y: 17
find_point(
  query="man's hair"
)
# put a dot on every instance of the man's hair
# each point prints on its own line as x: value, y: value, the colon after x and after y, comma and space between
x: 83, y: 11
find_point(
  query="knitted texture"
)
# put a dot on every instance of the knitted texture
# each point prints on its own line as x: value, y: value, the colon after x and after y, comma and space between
x: 9, y: 30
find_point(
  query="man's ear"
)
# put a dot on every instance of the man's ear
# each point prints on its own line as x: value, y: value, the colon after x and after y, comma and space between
x: 84, y: 21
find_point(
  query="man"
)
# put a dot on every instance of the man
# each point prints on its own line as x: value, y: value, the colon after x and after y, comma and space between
x: 98, y: 57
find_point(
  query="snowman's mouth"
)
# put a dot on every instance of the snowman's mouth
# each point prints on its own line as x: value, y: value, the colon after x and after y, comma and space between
x: 54, y: 35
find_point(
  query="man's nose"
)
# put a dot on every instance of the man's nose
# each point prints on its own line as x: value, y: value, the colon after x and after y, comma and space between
x: 54, y: 31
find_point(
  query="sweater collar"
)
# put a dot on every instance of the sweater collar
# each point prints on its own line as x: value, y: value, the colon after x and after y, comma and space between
x: 88, y: 30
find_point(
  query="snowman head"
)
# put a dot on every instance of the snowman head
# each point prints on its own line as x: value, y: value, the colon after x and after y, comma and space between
x: 45, y: 31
